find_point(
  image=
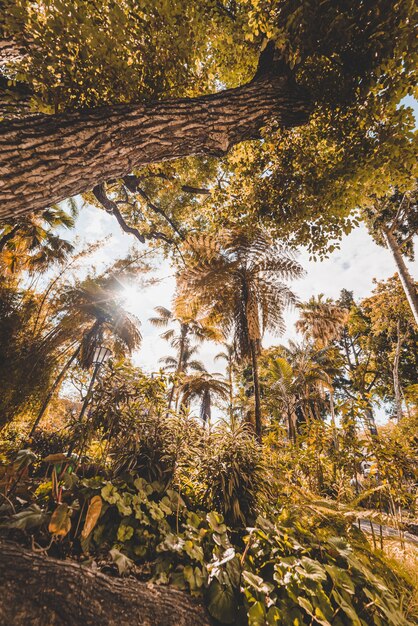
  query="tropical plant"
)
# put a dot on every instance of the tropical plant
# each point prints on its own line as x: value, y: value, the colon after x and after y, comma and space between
x: 252, y: 298
x: 190, y: 329
x: 229, y: 475
x: 204, y: 386
x: 321, y: 320
x: 92, y: 313
x: 31, y: 244
x: 294, y: 381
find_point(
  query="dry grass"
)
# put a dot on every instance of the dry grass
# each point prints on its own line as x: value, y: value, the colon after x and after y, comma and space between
x: 404, y: 561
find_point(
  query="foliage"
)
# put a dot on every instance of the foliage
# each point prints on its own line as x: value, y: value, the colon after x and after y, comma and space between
x: 290, y: 566
x: 229, y: 475
x: 300, y: 573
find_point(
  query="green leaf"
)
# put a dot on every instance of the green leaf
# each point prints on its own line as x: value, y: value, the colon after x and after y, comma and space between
x: 125, y: 532
x: 110, y: 494
x: 256, y: 582
x: 257, y: 615
x: 311, y: 569
x: 221, y: 602
x: 215, y: 521
x: 122, y: 562
x: 32, y: 517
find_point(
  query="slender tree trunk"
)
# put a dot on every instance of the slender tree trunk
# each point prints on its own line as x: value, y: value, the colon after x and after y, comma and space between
x: 82, y: 412
x: 405, y: 277
x: 42, y: 591
x: 179, y: 369
x: 53, y: 389
x: 256, y: 381
x: 370, y: 421
x: 48, y: 158
x: 206, y: 408
x: 396, y: 384
x: 291, y: 426
x: 333, y: 421
x: 231, y: 394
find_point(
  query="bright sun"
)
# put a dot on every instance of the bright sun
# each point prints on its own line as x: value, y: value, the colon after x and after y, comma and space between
x: 130, y: 297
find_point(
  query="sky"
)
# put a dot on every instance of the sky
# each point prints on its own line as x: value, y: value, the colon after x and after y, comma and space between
x: 353, y: 266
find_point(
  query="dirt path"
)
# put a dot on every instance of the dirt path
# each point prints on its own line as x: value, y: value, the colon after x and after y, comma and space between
x: 387, y: 531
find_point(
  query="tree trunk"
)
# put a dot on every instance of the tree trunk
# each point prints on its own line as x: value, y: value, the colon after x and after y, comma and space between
x: 48, y: 158
x: 257, y: 404
x: 396, y: 384
x: 333, y: 421
x: 179, y: 369
x: 370, y: 421
x: 405, y: 277
x: 11, y: 51
x: 54, y: 387
x: 41, y: 591
x: 231, y: 393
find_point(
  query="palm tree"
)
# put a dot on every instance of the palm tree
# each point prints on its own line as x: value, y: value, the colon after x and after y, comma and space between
x: 189, y: 329
x: 203, y: 386
x: 30, y: 242
x: 92, y: 312
x: 295, y: 378
x: 321, y: 320
x: 228, y: 355
x: 235, y: 277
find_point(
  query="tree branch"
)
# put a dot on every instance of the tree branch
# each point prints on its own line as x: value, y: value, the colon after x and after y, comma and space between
x: 111, y: 207
x: 132, y: 184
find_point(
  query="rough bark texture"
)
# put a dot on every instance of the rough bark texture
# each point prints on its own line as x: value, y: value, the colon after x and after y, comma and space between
x: 404, y: 275
x: 10, y: 50
x: 41, y: 591
x: 396, y: 382
x: 257, y: 403
x: 48, y: 158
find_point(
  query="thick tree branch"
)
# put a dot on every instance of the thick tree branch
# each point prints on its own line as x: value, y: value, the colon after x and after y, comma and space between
x: 48, y: 158
x: 41, y: 591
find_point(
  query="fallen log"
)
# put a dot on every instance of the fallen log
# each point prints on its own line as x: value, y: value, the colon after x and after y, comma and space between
x: 42, y: 591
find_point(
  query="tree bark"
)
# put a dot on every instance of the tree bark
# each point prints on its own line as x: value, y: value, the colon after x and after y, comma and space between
x: 256, y: 381
x: 396, y: 383
x: 48, y: 158
x: 405, y: 277
x: 10, y: 50
x: 41, y: 591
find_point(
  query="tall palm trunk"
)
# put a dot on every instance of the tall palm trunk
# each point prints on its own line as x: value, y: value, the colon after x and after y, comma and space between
x: 396, y: 384
x: 256, y: 381
x: 205, y: 409
x: 183, y: 335
x: 404, y: 275
x: 54, y: 387
x: 231, y: 393
x: 333, y: 421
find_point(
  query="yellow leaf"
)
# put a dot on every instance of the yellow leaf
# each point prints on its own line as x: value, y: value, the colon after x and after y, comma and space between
x: 60, y: 522
x: 93, y: 514
x: 59, y: 457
